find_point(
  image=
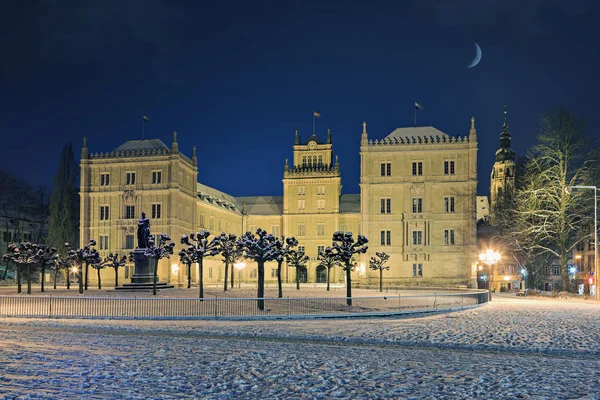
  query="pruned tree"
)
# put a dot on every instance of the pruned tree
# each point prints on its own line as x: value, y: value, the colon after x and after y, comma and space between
x: 23, y: 255
x: 187, y: 259
x: 344, y: 248
x: 158, y: 251
x: 115, y: 262
x: 377, y: 263
x: 328, y: 260
x: 547, y: 218
x: 199, y: 246
x: 95, y: 262
x: 47, y: 257
x: 230, y: 251
x: 259, y: 248
x: 282, y: 249
x: 64, y: 264
x: 297, y: 259
x: 85, y: 256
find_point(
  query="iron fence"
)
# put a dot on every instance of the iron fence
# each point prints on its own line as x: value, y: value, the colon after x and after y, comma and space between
x: 174, y: 308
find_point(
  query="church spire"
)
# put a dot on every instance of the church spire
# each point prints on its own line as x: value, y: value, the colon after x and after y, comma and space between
x: 505, y: 152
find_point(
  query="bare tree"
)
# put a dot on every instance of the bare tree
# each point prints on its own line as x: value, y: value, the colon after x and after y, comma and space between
x: 163, y: 250
x: 297, y: 259
x: 85, y: 255
x: 115, y: 262
x: 64, y: 264
x: 25, y: 254
x: 344, y: 248
x: 282, y: 249
x: 377, y: 263
x: 187, y: 258
x: 47, y: 257
x: 259, y: 248
x: 198, y: 247
x: 230, y: 251
x: 328, y: 260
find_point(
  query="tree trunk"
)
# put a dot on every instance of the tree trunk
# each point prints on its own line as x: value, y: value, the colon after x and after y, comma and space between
x: 28, y: 278
x: 201, y: 276
x: 5, y: 271
x: 99, y: 282
x: 86, y: 275
x: 55, y: 277
x: 189, y: 275
x: 328, y: 272
x: 279, y: 278
x: 43, y: 276
x: 232, y: 278
x: 348, y: 284
x: 297, y: 278
x: 155, y: 278
x: 381, y: 280
x: 261, y: 285
x: 18, y: 278
x: 116, y: 276
x: 225, y: 278
x: 80, y: 276
x: 68, y: 277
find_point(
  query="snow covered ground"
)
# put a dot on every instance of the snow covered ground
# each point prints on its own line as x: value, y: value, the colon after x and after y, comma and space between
x: 510, y: 348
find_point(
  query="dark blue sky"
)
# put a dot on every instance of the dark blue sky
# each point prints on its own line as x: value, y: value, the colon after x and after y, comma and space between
x: 237, y: 78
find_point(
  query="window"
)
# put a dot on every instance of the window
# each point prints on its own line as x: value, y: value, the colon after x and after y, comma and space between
x: 556, y: 269
x: 275, y: 230
x: 129, y: 242
x: 301, y: 229
x: 449, y: 168
x: 386, y: 169
x: 320, y: 249
x: 103, y: 242
x: 545, y: 270
x: 386, y: 206
x: 130, y: 178
x: 320, y: 190
x: 301, y: 204
x: 417, y: 168
x: 449, y: 236
x: 386, y: 238
x: 320, y: 204
x: 104, y: 213
x: 417, y: 205
x: 156, y: 176
x: 449, y: 204
x: 253, y: 273
x: 274, y: 273
x: 300, y: 249
x: 129, y: 212
x: 301, y: 190
x: 202, y: 221
x: 344, y: 227
x: 104, y: 179
x: 417, y: 238
x: 417, y: 270
x: 320, y: 229
x: 210, y: 272
x: 155, y: 211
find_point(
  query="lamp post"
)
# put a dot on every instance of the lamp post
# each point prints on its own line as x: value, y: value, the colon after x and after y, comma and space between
x: 490, y: 258
x: 524, y: 277
x: 239, y: 266
x: 567, y: 189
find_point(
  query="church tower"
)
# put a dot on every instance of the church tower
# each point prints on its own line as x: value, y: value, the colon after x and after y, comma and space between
x: 503, y: 172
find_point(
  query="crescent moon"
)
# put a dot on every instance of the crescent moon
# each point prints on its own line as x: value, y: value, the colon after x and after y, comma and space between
x: 477, y: 57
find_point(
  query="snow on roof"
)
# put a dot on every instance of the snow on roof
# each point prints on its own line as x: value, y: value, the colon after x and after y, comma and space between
x: 262, y: 205
x: 216, y: 197
x: 146, y: 144
x: 418, y: 131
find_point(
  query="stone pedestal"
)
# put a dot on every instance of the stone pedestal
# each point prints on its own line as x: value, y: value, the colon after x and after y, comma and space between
x: 143, y: 273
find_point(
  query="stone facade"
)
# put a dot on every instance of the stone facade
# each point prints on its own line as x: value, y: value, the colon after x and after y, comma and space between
x: 417, y: 203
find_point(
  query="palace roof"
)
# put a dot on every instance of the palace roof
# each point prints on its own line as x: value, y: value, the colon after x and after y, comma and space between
x: 417, y: 131
x: 145, y: 144
x: 349, y: 203
x: 262, y: 205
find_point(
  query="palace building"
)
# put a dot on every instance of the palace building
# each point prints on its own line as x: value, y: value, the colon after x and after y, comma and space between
x: 417, y: 202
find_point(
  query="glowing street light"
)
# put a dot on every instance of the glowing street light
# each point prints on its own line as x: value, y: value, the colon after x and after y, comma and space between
x: 490, y: 258
x: 239, y: 266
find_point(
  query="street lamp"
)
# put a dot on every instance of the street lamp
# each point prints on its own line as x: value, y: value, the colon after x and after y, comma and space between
x: 567, y: 190
x: 524, y: 277
x: 490, y: 258
x: 239, y: 266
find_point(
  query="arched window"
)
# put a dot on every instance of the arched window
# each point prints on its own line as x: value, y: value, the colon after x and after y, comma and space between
x: 315, y: 161
x: 309, y: 161
x: 320, y: 160
x: 304, y: 161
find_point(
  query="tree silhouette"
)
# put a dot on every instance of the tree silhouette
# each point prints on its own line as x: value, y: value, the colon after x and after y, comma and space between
x: 163, y: 250
x: 64, y: 263
x: 198, y: 247
x: 297, y: 259
x: 259, y: 248
x: 230, y: 251
x: 377, y: 263
x: 344, y: 248
x: 282, y: 249
x: 187, y: 259
x: 85, y: 255
x: 47, y: 258
x: 328, y: 259
x: 116, y: 262
x: 25, y: 254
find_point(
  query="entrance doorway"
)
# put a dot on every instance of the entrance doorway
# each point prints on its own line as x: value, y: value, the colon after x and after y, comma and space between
x: 302, y: 274
x: 321, y: 274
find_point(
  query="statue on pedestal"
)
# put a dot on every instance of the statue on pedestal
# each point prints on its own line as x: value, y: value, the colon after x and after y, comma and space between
x: 143, y: 232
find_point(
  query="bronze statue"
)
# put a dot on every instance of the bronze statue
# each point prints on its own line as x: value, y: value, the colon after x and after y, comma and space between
x: 143, y: 232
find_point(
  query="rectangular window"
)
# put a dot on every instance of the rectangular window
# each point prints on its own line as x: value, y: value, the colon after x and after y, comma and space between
x: 417, y: 270
x: 386, y: 238
x: 130, y: 178
x: 156, y: 176
x: 417, y: 238
x: 104, y: 179
x: 449, y: 236
x: 449, y: 168
x: 321, y: 204
x: 386, y: 169
x: 104, y: 242
x: 155, y: 211
x: 386, y: 206
x: 301, y: 190
x: 210, y: 272
x: 275, y: 230
x: 417, y: 205
x: 253, y: 273
x: 301, y: 229
x: 344, y: 227
x: 417, y: 168
x: 382, y: 169
x: 320, y: 229
x: 220, y: 225
x: 104, y: 213
x: 301, y: 204
x: 301, y: 249
x: 320, y: 190
x: 129, y: 241
x: 202, y: 221
x: 129, y: 212
x: 556, y: 269
x: 320, y: 249
x: 545, y: 270
x: 274, y: 273
x: 449, y: 204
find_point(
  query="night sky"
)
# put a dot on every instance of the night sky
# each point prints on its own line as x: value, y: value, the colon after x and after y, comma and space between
x: 237, y: 78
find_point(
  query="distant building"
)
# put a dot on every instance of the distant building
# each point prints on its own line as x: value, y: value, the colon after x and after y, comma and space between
x: 483, y: 209
x: 417, y: 202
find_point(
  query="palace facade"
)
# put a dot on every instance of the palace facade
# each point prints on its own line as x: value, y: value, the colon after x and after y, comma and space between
x: 417, y: 202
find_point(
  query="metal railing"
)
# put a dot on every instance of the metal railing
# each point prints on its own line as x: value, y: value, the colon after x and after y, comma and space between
x: 173, y: 308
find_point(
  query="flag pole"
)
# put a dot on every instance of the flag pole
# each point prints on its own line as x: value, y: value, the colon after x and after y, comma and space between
x: 415, y: 114
x: 143, y: 127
